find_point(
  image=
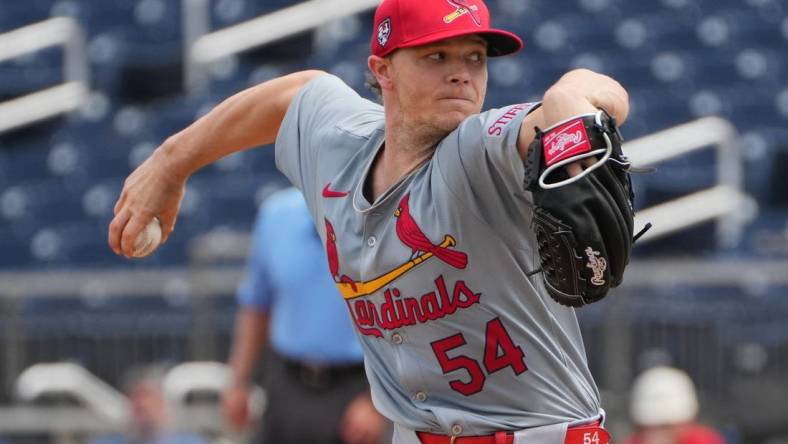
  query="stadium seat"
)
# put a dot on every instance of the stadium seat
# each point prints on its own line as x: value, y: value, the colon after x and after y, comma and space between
x: 14, y: 15
x: 31, y: 72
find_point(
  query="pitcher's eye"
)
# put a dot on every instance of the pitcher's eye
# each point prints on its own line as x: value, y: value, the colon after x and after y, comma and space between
x: 437, y: 56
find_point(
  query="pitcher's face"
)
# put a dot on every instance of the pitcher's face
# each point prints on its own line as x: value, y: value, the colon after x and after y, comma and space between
x: 440, y: 84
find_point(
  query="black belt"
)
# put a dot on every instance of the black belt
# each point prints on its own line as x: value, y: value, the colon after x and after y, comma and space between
x: 317, y: 375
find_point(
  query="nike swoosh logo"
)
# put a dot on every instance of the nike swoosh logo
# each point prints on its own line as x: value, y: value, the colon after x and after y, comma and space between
x: 331, y: 193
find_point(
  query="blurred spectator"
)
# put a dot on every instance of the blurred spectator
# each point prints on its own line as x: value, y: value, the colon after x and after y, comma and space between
x: 315, y: 383
x: 150, y: 420
x: 664, y: 410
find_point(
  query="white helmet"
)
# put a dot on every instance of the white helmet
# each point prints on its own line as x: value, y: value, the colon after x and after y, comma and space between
x: 663, y: 396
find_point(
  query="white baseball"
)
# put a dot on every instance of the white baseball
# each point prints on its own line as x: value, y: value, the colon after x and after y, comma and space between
x: 148, y: 239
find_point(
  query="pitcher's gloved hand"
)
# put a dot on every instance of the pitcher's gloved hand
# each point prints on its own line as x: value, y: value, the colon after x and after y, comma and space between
x: 583, y: 224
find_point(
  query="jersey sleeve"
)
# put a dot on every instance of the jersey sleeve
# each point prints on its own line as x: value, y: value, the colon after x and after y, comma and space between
x: 481, y: 165
x: 309, y: 127
x: 255, y: 291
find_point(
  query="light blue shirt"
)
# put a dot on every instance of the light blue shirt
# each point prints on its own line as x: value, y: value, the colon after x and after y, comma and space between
x: 287, y: 275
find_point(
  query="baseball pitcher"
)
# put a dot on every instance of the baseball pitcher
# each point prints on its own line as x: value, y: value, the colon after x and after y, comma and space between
x: 461, y: 240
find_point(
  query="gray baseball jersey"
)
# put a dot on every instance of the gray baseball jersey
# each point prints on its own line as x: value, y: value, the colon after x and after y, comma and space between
x: 457, y: 340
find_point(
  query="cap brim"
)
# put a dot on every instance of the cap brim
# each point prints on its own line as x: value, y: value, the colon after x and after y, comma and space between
x: 500, y: 42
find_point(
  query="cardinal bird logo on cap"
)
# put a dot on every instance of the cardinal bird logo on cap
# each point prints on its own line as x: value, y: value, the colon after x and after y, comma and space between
x: 411, y: 235
x: 463, y: 7
x: 384, y: 32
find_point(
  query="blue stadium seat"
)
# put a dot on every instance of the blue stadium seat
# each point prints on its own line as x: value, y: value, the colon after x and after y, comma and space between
x: 229, y: 12
x: 737, y: 29
x: 30, y: 73
x: 752, y: 104
x: 761, y: 158
x: 26, y: 160
x: 229, y: 199
x: 14, y: 15
x: 567, y: 34
x: 267, y: 6
x: 765, y: 236
x: 78, y: 243
x: 120, y: 330
x: 15, y: 247
x: 96, y: 17
x: 632, y: 70
x: 83, y: 160
x: 146, y: 316
x: 654, y: 109
x: 654, y: 32
x: 33, y: 204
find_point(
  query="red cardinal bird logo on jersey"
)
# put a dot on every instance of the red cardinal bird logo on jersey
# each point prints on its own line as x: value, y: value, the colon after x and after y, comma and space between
x: 333, y: 256
x: 411, y: 235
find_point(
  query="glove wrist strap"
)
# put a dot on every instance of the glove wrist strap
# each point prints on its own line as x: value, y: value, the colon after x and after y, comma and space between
x: 576, y: 138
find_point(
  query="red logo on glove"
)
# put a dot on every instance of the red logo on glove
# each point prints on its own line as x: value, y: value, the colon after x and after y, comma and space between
x: 564, y: 141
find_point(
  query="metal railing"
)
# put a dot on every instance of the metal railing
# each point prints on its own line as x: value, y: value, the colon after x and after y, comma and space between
x: 726, y: 202
x: 102, y: 409
x: 60, y: 99
x: 68, y: 378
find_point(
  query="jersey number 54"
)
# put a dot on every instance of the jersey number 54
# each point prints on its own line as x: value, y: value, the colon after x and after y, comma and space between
x: 499, y: 352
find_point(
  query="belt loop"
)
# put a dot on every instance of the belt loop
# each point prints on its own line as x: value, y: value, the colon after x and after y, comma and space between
x: 500, y: 437
x: 453, y: 438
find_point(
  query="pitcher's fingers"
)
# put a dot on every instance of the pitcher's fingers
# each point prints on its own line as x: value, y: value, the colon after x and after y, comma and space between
x: 133, y: 228
x: 119, y: 203
x: 574, y: 169
x: 167, y: 221
x: 116, y: 230
x: 589, y: 161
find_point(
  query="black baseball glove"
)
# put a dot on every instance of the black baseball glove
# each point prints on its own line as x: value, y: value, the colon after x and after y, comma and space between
x: 584, y: 224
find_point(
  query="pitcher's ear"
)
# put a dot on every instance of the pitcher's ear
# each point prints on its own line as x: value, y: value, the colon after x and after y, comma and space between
x: 380, y: 67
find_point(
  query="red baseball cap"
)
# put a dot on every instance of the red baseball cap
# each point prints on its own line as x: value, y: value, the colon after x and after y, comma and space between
x: 407, y: 23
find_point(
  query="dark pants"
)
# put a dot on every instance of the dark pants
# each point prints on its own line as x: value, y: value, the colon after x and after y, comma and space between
x: 305, y: 405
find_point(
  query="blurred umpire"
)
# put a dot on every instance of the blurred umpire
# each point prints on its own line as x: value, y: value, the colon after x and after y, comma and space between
x: 316, y: 388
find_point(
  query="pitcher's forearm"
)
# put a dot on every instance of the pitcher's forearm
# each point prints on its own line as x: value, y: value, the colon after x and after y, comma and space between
x: 580, y: 91
x: 247, y: 119
x: 577, y: 92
